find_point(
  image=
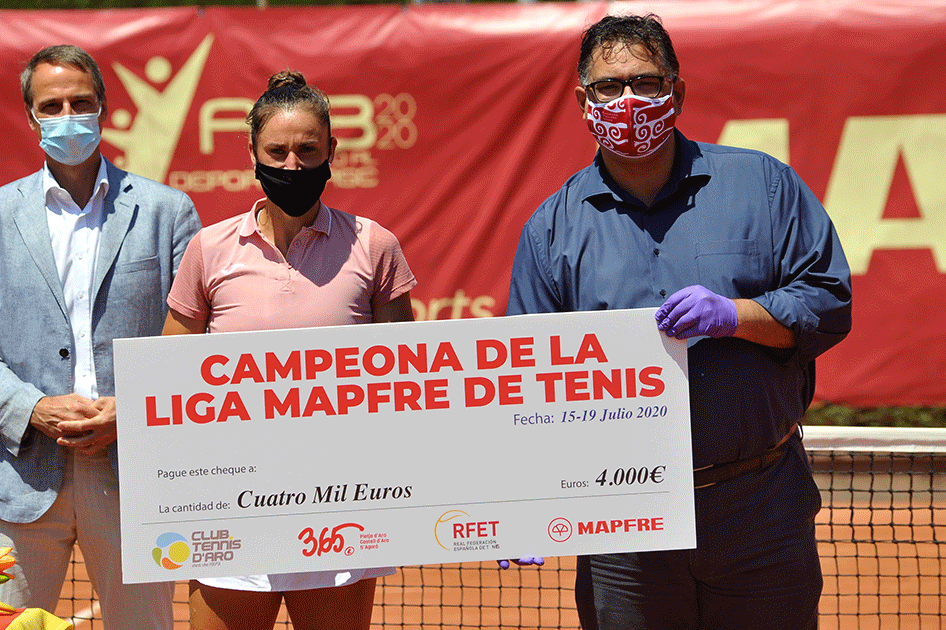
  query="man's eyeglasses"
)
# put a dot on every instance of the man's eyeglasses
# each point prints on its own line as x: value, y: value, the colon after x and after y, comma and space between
x: 645, y: 85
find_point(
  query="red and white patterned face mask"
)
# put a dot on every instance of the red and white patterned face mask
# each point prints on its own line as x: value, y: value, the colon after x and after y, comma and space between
x: 632, y: 126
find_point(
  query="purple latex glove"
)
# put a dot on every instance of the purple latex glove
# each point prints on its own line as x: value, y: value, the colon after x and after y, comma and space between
x: 695, y: 311
x: 537, y: 561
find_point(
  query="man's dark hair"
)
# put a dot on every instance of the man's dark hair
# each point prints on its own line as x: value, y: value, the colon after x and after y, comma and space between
x: 616, y: 31
x: 63, y: 55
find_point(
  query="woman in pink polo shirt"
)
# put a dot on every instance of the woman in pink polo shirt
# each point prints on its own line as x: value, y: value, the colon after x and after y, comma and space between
x: 290, y: 262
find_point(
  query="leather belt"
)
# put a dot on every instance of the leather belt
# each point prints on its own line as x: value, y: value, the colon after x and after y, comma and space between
x: 718, y: 473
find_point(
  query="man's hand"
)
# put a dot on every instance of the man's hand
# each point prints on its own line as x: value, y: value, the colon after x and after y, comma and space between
x: 91, y: 435
x: 536, y: 560
x: 695, y: 311
x: 51, y: 411
x: 77, y: 422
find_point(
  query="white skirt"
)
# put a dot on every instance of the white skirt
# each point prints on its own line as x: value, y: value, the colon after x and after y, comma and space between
x: 296, y: 581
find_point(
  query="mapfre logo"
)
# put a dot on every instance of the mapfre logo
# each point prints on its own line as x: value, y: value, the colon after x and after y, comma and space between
x: 456, y: 530
x: 560, y: 529
x: 621, y: 525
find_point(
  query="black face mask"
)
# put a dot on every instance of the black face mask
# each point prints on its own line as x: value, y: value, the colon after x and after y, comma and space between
x: 293, y: 191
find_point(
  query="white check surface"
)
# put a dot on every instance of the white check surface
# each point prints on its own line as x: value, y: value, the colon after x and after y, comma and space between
x: 397, y: 444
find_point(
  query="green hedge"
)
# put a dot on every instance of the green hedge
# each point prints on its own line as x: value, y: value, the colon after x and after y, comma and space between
x: 839, y: 415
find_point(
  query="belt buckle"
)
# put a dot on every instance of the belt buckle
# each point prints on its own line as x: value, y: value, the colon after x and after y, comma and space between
x: 705, y: 485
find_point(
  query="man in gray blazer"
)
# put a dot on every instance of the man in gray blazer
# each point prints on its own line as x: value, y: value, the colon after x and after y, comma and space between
x: 87, y: 255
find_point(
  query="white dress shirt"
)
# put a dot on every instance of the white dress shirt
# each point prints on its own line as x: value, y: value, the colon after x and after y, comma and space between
x: 75, y: 233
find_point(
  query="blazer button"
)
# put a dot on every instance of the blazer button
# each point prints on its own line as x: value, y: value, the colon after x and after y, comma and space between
x: 64, y: 353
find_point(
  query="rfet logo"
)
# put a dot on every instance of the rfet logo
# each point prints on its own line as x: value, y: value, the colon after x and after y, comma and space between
x: 171, y: 551
x: 560, y: 529
x: 456, y: 530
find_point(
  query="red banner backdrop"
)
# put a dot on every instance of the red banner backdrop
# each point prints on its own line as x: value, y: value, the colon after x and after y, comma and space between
x: 456, y: 121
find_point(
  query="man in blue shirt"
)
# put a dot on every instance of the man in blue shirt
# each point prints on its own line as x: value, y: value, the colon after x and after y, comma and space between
x: 742, y: 260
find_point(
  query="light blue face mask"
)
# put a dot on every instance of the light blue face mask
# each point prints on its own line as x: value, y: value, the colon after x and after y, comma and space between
x: 69, y: 139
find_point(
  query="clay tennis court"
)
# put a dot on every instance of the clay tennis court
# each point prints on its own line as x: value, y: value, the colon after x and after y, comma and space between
x: 906, y: 592
x: 882, y: 534
x: 882, y: 541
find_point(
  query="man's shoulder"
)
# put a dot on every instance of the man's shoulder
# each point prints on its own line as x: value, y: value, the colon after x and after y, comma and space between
x: 31, y: 180
x: 574, y: 190
x: 581, y: 179
x: 729, y: 156
x: 128, y: 182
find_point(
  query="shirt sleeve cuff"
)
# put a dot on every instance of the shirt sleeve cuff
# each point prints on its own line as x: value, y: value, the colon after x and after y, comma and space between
x: 17, y: 412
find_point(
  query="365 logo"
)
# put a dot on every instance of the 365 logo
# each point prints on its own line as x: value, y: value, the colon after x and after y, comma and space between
x: 327, y: 541
x: 171, y: 551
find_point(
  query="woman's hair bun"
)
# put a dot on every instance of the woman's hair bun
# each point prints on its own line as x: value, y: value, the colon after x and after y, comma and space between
x: 286, y: 78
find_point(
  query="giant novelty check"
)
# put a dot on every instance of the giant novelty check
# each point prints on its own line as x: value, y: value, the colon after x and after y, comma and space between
x: 395, y: 444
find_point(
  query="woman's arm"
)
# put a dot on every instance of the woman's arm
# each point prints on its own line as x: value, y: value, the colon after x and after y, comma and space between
x: 177, y: 324
x: 397, y: 310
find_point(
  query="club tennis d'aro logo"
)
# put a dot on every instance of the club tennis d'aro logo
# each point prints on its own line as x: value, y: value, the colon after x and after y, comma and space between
x: 171, y: 551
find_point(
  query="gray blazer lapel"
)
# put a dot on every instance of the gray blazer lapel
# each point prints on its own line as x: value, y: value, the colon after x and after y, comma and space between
x: 118, y: 211
x: 29, y: 216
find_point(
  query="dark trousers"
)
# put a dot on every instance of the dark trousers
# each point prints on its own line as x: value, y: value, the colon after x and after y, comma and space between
x: 755, y: 567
